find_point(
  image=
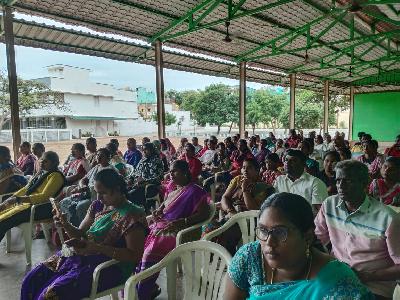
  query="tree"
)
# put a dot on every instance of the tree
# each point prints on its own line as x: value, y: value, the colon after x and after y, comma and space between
x: 217, y: 104
x: 253, y: 112
x: 169, y: 118
x: 31, y: 95
x: 269, y: 106
x: 310, y: 109
x: 189, y: 98
x: 175, y: 96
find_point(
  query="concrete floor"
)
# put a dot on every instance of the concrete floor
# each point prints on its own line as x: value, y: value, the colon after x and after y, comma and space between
x: 13, y: 266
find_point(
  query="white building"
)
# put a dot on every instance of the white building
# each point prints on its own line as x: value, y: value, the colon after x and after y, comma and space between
x: 91, y: 108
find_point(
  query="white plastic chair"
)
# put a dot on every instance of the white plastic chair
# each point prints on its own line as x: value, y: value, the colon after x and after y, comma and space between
x: 27, y: 229
x: 395, y: 208
x: 181, y: 234
x: 3, y: 196
x: 204, y: 264
x: 96, y: 276
x: 247, y: 222
x: 396, y: 294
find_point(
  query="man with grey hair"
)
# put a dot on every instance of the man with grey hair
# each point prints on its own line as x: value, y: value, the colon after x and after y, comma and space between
x: 363, y: 232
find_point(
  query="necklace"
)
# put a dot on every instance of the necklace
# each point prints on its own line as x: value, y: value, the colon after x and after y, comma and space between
x: 274, y: 269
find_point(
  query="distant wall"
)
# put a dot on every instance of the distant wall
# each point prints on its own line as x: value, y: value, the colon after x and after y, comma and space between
x: 377, y: 114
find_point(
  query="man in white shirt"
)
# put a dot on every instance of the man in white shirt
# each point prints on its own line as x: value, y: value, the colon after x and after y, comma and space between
x: 297, y: 181
x: 328, y: 142
x: 207, y: 156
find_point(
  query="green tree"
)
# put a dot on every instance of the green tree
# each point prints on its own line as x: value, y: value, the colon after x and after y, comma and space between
x: 269, y: 106
x: 169, y: 118
x: 31, y: 95
x: 189, y: 98
x: 253, y: 112
x: 217, y: 105
x: 175, y: 96
x: 310, y: 109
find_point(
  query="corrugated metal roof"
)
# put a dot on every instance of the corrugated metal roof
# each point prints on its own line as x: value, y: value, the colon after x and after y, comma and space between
x: 36, y: 35
x: 273, y: 33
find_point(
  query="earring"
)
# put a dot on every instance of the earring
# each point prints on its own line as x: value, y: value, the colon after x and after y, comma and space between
x: 308, y: 251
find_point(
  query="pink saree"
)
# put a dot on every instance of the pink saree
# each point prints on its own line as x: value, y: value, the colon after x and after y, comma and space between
x: 179, y: 204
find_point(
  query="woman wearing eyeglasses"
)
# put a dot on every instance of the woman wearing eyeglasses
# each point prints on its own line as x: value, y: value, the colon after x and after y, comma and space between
x: 282, y: 264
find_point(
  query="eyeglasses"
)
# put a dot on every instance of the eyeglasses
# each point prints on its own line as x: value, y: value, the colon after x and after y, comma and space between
x: 279, y: 233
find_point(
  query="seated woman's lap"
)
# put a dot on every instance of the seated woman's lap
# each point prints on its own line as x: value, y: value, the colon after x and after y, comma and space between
x: 74, y: 283
x: 41, y: 213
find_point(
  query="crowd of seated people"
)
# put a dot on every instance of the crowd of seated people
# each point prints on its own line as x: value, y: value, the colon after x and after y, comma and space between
x: 102, y: 204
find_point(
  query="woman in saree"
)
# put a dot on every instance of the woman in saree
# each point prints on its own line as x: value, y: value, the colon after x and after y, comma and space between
x: 183, y: 207
x: 283, y: 264
x: 116, y: 160
x: 78, y: 166
x: 113, y: 228
x: 45, y: 184
x: 158, y: 146
x: 371, y: 158
x: 387, y: 188
x: 26, y: 162
x: 11, y: 178
x: 245, y: 192
x: 327, y: 175
x: 149, y: 172
x: 75, y: 206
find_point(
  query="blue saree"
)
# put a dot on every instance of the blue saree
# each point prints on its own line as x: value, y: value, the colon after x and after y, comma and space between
x: 334, y: 281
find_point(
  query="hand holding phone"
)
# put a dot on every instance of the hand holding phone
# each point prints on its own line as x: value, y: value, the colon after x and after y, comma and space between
x: 76, y: 243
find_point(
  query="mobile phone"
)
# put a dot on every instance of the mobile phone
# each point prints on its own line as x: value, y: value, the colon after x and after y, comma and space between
x: 76, y: 243
x: 55, y: 206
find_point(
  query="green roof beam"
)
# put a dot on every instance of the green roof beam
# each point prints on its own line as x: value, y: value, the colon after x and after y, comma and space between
x: 366, y: 39
x: 360, y: 63
x: 332, y: 24
x: 382, y: 17
x: 324, y: 10
x: 379, y: 2
x: 347, y: 49
x: 223, y: 20
x: 179, y: 21
x: 392, y: 77
x: 370, y: 48
x: 294, y: 33
x: 237, y: 7
x: 352, y: 27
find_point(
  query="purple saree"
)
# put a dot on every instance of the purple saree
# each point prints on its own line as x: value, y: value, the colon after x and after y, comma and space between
x: 179, y: 204
x: 71, y: 277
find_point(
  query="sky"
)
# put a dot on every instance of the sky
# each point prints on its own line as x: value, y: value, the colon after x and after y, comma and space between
x: 31, y: 63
